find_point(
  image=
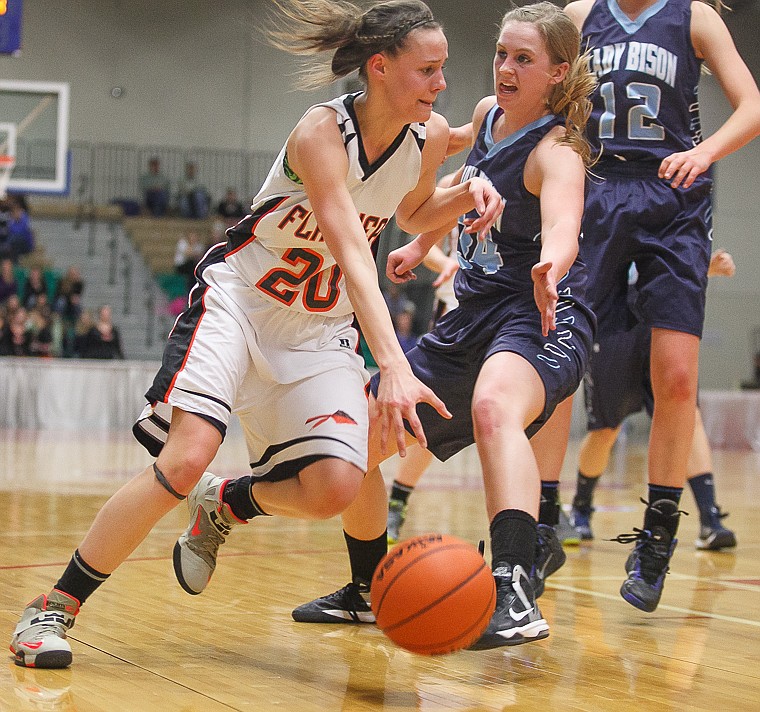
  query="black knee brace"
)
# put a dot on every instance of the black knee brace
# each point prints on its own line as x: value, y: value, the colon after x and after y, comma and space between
x: 165, y: 483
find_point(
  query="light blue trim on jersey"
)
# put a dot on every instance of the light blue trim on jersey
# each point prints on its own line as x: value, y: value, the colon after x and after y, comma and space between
x: 494, y: 148
x: 629, y: 25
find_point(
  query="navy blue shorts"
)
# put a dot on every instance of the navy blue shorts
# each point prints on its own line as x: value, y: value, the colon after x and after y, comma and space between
x: 449, y: 358
x: 666, y: 232
x: 617, y: 383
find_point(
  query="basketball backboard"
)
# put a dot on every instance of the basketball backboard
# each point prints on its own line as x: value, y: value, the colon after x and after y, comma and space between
x: 34, y: 127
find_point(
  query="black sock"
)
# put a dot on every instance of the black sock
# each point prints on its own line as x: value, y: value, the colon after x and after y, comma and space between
x: 79, y: 579
x: 365, y: 556
x: 703, y: 488
x: 513, y: 539
x: 239, y: 496
x: 401, y: 492
x: 665, y: 514
x: 658, y: 492
x: 584, y: 492
x: 548, y: 510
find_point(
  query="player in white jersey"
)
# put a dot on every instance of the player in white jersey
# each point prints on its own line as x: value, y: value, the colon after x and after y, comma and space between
x: 267, y: 331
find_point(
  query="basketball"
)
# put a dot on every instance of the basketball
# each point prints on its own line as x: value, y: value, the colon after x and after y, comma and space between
x: 433, y: 594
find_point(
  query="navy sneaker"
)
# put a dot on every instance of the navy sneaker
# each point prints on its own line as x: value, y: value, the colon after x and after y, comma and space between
x: 550, y: 556
x: 713, y: 535
x: 581, y: 519
x: 649, y: 561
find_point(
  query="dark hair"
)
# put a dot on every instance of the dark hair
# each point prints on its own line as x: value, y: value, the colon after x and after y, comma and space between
x: 309, y: 27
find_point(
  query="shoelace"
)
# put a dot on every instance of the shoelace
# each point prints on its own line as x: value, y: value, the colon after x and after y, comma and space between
x: 215, y: 537
x: 651, y: 552
x: 347, y: 599
x: 52, y: 626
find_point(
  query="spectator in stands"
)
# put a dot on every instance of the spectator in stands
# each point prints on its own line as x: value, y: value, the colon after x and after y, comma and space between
x: 190, y: 249
x: 40, y: 325
x: 16, y: 337
x: 396, y: 300
x: 68, y: 305
x: 85, y: 322
x: 103, y: 339
x: 5, y: 247
x: 19, y: 226
x: 154, y: 186
x: 193, y: 198
x: 403, y: 325
x: 8, y: 283
x: 231, y: 209
x: 35, y: 287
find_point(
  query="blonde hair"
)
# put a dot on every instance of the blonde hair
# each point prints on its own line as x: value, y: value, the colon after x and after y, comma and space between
x: 309, y: 27
x: 571, y: 97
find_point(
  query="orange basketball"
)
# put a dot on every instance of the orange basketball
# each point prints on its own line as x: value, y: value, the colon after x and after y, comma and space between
x: 433, y: 594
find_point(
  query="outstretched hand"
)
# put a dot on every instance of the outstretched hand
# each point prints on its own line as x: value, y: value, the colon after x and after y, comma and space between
x: 545, y: 295
x: 398, y: 393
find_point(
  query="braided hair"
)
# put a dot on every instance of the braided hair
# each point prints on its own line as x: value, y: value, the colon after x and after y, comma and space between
x: 309, y: 27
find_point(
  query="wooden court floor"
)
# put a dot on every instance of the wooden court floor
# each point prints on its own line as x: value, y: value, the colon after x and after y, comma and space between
x: 141, y: 644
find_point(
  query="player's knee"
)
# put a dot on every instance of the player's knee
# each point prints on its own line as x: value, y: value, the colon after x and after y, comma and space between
x: 489, y: 415
x: 180, y: 474
x: 338, y: 487
x: 676, y: 385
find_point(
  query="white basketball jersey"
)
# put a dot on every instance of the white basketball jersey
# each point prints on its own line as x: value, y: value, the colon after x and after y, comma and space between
x: 279, y: 251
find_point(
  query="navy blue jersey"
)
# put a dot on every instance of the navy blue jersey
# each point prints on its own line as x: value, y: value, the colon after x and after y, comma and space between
x: 500, y: 265
x: 645, y: 106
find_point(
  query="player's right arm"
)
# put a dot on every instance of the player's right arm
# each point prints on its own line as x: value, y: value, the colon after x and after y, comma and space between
x: 317, y: 154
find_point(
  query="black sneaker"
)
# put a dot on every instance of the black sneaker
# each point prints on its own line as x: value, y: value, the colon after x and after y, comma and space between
x: 649, y: 561
x: 349, y: 604
x: 550, y: 556
x: 713, y: 535
x: 516, y: 619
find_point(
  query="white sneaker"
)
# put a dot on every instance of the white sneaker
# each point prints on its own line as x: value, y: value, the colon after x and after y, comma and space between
x: 40, y: 636
x: 212, y: 520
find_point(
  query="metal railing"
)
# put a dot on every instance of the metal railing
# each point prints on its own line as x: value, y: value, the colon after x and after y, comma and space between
x: 105, y: 172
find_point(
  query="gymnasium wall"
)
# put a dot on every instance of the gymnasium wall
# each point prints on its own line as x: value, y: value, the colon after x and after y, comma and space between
x: 197, y: 73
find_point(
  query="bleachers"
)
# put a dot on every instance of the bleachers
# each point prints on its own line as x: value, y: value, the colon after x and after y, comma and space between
x: 156, y: 238
x: 113, y: 269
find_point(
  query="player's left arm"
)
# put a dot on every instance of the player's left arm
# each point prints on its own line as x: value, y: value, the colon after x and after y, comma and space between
x: 713, y: 43
x: 429, y: 208
x: 556, y: 174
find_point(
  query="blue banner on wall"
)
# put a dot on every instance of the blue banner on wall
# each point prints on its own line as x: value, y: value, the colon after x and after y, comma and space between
x: 10, y: 26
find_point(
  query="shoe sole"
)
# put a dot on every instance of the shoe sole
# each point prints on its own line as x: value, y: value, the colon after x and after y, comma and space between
x: 51, y: 660
x: 719, y: 542
x: 177, y: 561
x: 323, y: 617
x: 537, y: 630
x: 636, y: 602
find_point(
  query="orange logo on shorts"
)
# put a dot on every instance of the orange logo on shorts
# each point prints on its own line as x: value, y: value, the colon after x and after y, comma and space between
x: 338, y: 416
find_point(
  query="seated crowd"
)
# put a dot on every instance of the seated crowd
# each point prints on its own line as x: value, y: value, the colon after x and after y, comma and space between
x: 190, y: 198
x: 41, y: 314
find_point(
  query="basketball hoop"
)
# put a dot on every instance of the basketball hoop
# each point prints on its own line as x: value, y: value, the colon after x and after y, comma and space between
x: 7, y: 164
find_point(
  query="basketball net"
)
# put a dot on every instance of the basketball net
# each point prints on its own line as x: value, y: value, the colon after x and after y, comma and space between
x: 6, y: 169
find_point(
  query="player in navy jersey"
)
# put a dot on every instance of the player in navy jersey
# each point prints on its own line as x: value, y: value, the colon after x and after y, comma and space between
x: 517, y: 343
x: 652, y: 206
x: 617, y: 384
x: 268, y: 328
